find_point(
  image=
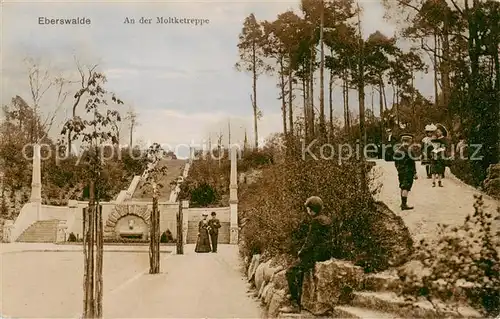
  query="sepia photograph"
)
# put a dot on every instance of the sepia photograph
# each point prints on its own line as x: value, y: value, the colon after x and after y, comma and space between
x: 293, y: 159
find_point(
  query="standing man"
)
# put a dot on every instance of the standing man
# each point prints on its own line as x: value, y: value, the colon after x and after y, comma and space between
x: 316, y: 248
x: 388, y: 149
x: 407, y: 171
x: 214, y: 224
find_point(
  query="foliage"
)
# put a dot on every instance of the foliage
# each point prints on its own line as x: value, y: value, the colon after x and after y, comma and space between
x: 207, y: 184
x: 277, y: 223
x: 492, y: 182
x: 72, y: 238
x: 465, y: 263
x: 166, y: 237
x: 456, y: 40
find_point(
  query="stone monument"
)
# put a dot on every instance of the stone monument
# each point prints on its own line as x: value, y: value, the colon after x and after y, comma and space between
x: 233, y: 197
x: 36, y: 182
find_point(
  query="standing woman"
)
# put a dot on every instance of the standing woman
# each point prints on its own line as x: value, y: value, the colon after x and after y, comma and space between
x: 203, y: 242
x: 427, y: 148
x: 438, y: 154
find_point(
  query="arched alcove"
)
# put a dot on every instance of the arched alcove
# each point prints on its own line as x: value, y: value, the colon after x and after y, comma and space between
x: 128, y: 221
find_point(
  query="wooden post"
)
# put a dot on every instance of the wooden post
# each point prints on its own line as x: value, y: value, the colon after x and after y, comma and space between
x: 89, y: 227
x: 180, y: 239
x: 154, y: 241
x: 99, y: 262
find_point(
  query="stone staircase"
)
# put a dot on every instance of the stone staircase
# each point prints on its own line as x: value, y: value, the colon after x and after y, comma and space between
x: 42, y: 231
x: 380, y: 298
x: 192, y: 234
x: 175, y: 168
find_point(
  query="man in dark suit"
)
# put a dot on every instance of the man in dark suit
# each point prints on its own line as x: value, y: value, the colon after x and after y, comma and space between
x: 214, y: 225
x: 388, y: 148
x: 316, y: 248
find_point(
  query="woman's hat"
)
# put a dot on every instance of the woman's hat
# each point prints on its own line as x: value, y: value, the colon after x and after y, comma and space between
x: 204, y: 214
x: 442, y: 129
x: 430, y: 128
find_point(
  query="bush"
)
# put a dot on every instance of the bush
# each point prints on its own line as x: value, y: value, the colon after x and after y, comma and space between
x: 464, y: 170
x: 72, y: 238
x: 275, y: 218
x: 163, y: 238
x: 465, y: 263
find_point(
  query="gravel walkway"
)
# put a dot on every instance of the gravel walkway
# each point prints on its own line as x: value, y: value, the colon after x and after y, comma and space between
x: 447, y: 205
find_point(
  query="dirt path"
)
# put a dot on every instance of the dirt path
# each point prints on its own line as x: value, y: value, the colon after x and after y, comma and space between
x: 45, y: 281
x: 448, y: 205
x: 190, y: 286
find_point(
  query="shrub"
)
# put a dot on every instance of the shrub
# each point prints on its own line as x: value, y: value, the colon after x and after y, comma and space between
x: 163, y: 238
x: 275, y: 218
x: 464, y: 263
x: 72, y: 237
x: 464, y: 170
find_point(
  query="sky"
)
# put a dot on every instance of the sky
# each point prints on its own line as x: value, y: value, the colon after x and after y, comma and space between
x: 180, y: 79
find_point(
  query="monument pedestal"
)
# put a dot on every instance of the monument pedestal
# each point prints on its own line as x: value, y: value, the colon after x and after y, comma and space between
x: 233, y: 199
x: 7, y: 231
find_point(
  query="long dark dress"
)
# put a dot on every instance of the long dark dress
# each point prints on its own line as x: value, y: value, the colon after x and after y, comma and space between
x: 203, y: 242
x: 438, y: 156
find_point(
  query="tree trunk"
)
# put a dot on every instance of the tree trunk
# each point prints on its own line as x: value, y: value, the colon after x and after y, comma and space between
x: 282, y: 87
x: 381, y: 97
x: 154, y: 240
x: 445, y: 68
x: 384, y: 95
x: 436, y: 88
x: 397, y: 105
x: 131, y: 134
x: 89, y: 240
x: 348, y: 111
x: 322, y: 126
x: 497, y: 88
x: 344, y: 99
x: 99, y: 261
x: 180, y: 234
x: 254, y: 87
x: 330, y: 102
x: 290, y: 96
x: 372, y: 96
x: 305, y: 88
x: 311, y: 94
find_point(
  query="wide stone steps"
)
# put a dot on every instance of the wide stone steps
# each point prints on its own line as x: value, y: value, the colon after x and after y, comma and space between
x: 381, y: 298
x: 42, y: 231
x: 175, y: 168
x: 362, y: 313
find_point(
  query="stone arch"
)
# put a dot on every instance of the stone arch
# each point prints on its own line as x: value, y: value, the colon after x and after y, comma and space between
x: 119, y: 212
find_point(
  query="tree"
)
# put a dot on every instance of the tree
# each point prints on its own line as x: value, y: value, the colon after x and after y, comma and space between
x: 250, y: 48
x: 133, y: 123
x: 154, y: 174
x: 88, y: 78
x: 282, y: 39
x: 95, y: 130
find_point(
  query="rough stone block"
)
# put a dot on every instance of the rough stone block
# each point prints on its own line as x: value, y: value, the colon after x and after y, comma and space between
x: 278, y: 300
x: 259, y: 275
x: 253, y: 267
x: 279, y: 280
x: 328, y: 284
x: 267, y: 293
